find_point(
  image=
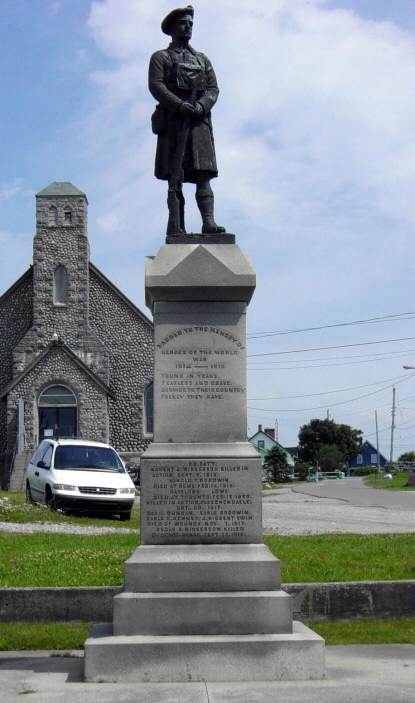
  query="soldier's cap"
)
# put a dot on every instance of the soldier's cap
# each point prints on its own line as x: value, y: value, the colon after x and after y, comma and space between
x: 174, y: 15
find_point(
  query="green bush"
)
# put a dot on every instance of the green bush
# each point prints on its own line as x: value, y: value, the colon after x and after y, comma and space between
x: 275, y: 465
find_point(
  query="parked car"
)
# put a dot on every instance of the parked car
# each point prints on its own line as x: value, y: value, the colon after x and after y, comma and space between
x: 134, y: 472
x: 79, y: 475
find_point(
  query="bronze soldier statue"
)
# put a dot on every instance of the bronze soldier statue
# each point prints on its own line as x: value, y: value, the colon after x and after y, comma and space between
x: 183, y: 82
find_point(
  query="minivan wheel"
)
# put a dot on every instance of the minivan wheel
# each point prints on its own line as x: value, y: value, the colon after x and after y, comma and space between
x: 125, y: 516
x: 29, y: 498
x: 50, y: 499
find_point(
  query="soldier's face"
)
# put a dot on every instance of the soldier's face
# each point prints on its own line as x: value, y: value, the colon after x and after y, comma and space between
x: 182, y: 29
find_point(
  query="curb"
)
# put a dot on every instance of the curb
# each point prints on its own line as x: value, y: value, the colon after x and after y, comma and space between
x: 311, y: 601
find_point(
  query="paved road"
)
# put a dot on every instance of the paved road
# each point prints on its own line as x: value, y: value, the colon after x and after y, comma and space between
x: 355, y: 492
x: 355, y: 673
x: 338, y: 506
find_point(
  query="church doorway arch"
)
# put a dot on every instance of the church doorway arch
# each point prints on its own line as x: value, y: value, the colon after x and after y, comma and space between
x: 58, y: 412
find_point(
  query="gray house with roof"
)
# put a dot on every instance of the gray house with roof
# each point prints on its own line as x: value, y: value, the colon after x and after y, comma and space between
x: 76, y: 355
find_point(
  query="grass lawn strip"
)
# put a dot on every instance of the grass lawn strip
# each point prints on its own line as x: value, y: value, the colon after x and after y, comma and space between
x: 13, y: 508
x: 388, y: 631
x: 348, y: 557
x: 16, y: 636
x: 44, y: 635
x: 64, y: 560
x: 55, y: 560
x: 396, y: 484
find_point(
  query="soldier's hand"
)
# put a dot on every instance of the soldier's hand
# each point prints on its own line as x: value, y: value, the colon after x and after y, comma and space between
x: 199, y: 111
x: 186, y: 109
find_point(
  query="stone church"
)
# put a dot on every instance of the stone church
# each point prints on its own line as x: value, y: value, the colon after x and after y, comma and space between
x: 76, y: 355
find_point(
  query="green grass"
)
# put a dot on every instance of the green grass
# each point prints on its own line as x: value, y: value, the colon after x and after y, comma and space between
x: 396, y: 484
x: 78, y: 560
x: 44, y: 635
x: 388, y: 631
x: 344, y: 557
x: 13, y: 508
x: 44, y: 559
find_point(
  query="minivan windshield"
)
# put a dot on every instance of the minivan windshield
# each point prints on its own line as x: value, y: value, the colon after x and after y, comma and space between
x: 72, y: 456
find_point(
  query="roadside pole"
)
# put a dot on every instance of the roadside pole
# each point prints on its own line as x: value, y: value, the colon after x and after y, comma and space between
x: 393, y: 423
x: 377, y: 442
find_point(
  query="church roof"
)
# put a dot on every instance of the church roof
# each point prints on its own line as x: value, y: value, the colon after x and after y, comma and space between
x: 120, y: 294
x: 61, y: 188
x: 54, y: 344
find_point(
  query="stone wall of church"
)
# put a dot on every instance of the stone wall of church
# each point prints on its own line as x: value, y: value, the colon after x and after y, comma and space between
x: 15, y: 320
x: 57, y: 368
x: 128, y: 335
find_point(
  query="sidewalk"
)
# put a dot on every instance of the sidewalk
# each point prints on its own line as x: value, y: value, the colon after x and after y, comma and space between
x: 355, y: 673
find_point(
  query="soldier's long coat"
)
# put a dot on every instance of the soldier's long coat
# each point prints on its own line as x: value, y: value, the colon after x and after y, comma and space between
x: 200, y: 149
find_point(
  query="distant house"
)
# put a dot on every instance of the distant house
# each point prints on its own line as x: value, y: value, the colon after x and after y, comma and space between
x: 294, y: 451
x: 264, y: 440
x: 367, y: 457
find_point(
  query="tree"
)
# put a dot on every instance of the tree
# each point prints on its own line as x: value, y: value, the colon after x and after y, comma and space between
x: 407, y: 456
x: 276, y: 464
x: 317, y: 433
x: 330, y: 457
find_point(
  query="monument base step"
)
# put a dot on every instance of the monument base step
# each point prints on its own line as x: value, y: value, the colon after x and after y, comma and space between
x: 208, y: 613
x: 185, y: 658
x: 202, y: 567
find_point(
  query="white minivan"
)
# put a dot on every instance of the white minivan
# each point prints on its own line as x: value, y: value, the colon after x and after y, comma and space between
x: 79, y: 475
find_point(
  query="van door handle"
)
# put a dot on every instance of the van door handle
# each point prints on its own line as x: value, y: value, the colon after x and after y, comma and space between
x: 36, y: 473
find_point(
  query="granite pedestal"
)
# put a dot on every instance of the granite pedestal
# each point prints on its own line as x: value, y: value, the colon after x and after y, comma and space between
x: 202, y: 597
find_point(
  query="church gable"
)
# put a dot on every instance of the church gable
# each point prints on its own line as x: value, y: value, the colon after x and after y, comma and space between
x: 57, y: 366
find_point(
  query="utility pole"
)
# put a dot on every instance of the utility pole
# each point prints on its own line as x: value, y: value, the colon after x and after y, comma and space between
x: 276, y: 433
x: 328, y: 414
x: 393, y: 422
x: 377, y: 441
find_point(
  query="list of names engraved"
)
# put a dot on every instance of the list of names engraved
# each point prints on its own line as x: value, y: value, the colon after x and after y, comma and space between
x: 200, y: 501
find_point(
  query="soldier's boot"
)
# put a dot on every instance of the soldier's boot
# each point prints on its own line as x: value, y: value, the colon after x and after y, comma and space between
x: 173, y: 203
x: 181, y: 209
x: 206, y: 205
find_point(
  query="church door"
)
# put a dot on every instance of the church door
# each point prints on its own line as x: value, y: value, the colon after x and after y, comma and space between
x: 57, y: 413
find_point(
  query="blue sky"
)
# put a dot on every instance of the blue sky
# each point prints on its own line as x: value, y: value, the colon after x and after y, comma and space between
x: 314, y: 135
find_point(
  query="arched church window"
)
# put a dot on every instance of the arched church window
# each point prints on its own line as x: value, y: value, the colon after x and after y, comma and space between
x: 67, y: 216
x: 60, y: 286
x: 148, y: 409
x: 57, y: 395
x: 52, y: 216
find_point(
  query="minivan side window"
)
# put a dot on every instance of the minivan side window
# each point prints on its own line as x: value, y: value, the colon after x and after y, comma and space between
x: 39, y: 452
x: 47, y: 457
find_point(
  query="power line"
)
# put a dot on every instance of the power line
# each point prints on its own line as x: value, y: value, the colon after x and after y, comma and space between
x: 370, y: 320
x: 336, y: 390
x: 332, y: 405
x: 313, y: 366
x: 337, y: 346
x: 393, y: 352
